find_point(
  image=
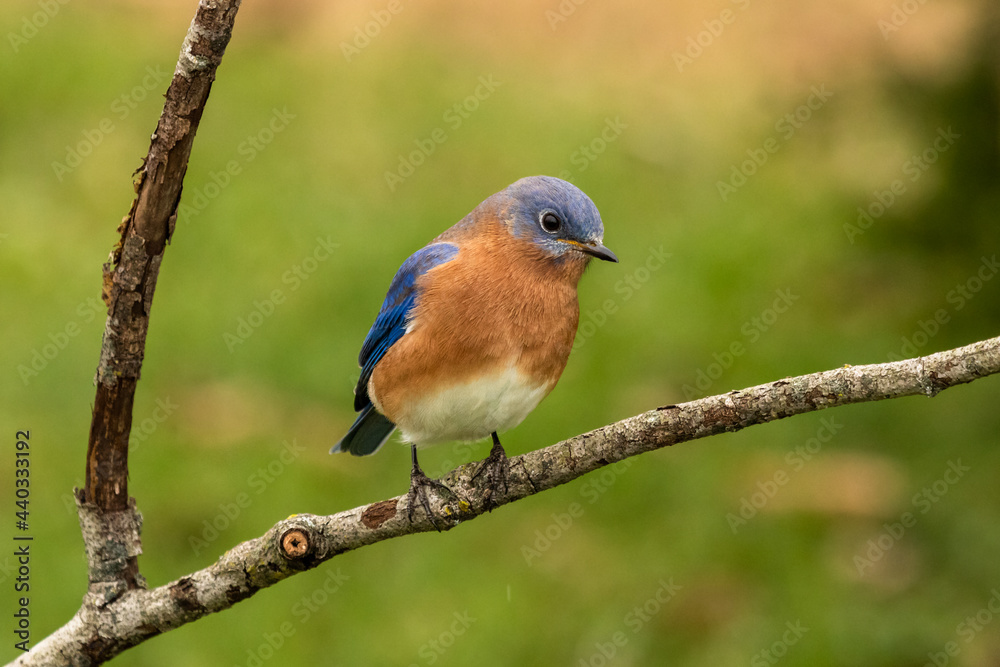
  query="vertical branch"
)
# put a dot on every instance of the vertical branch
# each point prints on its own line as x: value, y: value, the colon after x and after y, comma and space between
x: 131, y: 272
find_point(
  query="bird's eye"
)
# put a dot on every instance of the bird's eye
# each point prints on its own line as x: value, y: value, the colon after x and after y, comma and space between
x: 551, y: 222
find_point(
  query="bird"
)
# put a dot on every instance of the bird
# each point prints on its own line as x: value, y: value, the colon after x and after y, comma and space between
x: 477, y: 327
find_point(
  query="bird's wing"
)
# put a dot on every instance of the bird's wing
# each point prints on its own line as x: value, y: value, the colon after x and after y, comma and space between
x: 390, y: 325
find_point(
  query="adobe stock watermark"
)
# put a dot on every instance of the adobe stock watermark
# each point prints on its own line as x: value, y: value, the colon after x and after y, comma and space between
x: 899, y: 16
x: 785, y: 128
x: 590, y: 491
x: 258, y: 482
x: 967, y: 630
x: 120, y: 108
x: 592, y: 321
x: 31, y: 25
x: 365, y: 34
x: 922, y: 502
x: 145, y: 428
x: 795, y: 460
x: 714, y: 27
x: 264, y: 308
x: 635, y: 620
x: 562, y: 12
x: 586, y: 154
x: 302, y: 610
x: 433, y: 649
x: 58, y: 340
x: 957, y: 298
x: 914, y: 168
x: 196, y: 200
x: 142, y: 430
x: 779, y: 649
x: 752, y: 331
x: 454, y: 117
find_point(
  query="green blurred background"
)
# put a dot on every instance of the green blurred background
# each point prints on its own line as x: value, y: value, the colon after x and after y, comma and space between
x: 647, y: 106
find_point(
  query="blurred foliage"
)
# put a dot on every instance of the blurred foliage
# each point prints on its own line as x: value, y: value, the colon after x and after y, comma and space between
x: 292, y: 156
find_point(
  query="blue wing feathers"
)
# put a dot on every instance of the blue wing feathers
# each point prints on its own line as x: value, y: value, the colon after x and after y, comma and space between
x: 389, y: 331
x: 390, y: 325
x: 390, y: 318
x: 371, y: 429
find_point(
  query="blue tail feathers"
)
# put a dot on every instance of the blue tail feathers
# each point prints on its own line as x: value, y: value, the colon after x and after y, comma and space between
x: 367, y: 434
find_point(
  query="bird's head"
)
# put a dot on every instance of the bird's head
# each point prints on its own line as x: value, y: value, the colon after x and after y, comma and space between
x: 557, y: 217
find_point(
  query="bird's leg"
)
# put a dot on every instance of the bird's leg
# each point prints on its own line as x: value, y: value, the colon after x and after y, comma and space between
x: 418, y: 490
x: 497, y: 469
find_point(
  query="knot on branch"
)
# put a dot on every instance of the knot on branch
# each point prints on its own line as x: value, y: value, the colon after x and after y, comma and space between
x: 295, y: 544
x: 301, y: 541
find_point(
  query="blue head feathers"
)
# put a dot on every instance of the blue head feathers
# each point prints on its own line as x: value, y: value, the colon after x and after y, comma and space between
x: 557, y: 216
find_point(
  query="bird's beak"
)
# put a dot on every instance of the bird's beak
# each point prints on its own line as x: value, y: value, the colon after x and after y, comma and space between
x: 594, y: 250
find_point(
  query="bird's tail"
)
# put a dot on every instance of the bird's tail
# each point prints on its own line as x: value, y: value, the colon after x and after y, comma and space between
x: 368, y: 432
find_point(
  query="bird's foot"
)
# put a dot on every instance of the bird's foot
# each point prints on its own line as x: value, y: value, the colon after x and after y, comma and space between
x: 419, y: 483
x: 496, y: 466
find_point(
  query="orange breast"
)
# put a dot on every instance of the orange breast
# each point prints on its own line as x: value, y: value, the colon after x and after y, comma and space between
x: 500, y: 303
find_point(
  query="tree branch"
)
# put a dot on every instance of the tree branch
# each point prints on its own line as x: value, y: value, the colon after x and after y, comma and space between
x: 108, y: 517
x: 305, y: 540
x: 131, y: 272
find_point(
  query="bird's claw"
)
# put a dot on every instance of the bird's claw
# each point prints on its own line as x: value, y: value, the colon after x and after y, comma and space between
x: 497, y: 469
x: 418, y: 493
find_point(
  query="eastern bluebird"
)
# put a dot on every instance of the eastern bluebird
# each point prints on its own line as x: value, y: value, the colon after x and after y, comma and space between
x: 477, y: 326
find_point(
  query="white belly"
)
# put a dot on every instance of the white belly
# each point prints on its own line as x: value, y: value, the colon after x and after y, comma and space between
x: 473, y: 410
